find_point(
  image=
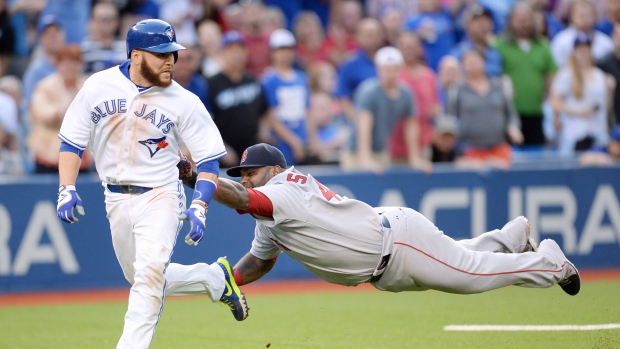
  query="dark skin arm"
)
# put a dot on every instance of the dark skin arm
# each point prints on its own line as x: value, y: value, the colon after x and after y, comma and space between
x: 234, y: 195
x: 253, y: 268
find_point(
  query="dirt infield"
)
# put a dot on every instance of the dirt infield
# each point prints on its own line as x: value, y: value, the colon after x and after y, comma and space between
x: 278, y: 287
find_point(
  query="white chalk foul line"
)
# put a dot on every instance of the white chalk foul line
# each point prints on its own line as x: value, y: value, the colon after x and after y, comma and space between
x: 531, y: 327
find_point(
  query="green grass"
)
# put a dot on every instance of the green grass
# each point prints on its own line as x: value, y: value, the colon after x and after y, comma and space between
x: 334, y: 320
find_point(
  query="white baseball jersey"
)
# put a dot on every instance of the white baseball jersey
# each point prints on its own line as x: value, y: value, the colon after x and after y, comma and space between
x: 336, y: 238
x: 135, y: 136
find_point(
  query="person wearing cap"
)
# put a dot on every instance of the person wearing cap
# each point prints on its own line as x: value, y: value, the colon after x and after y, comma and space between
x: 288, y: 96
x: 134, y: 118
x: 579, y: 99
x: 51, y: 37
x: 582, y: 18
x: 605, y: 156
x: 380, y: 103
x: 445, y: 137
x: 479, y: 30
x: 347, y: 242
x: 236, y: 99
x: 528, y: 62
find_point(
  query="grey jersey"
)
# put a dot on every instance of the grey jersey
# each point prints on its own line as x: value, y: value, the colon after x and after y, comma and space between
x: 336, y: 238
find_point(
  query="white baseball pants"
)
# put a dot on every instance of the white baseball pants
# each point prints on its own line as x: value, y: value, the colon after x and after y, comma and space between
x: 424, y: 258
x: 144, y: 231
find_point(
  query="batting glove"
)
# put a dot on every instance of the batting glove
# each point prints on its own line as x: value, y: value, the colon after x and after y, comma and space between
x: 196, y: 216
x: 68, y: 200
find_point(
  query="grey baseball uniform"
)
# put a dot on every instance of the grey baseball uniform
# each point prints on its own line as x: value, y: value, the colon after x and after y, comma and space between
x: 345, y: 241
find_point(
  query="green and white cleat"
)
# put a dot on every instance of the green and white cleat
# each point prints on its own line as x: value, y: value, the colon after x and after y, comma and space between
x: 232, y: 297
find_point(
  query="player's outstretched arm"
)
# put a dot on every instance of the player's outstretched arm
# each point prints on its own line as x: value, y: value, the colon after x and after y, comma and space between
x: 232, y: 194
x: 251, y: 268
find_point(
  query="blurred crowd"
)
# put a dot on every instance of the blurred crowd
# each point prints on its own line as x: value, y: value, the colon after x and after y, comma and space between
x: 363, y: 84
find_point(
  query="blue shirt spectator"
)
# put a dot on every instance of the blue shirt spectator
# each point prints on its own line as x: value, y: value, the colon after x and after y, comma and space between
x: 352, y: 72
x: 51, y: 39
x: 290, y: 99
x: 72, y: 14
x: 198, y: 86
x: 437, y: 32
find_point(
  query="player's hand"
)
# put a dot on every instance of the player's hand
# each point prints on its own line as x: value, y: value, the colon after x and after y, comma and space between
x: 68, y: 202
x: 196, y: 215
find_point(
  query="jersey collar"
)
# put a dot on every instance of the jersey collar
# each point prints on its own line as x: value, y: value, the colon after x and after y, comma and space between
x: 125, y: 70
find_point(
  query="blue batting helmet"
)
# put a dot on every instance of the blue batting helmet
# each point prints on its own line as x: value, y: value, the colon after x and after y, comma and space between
x: 152, y: 35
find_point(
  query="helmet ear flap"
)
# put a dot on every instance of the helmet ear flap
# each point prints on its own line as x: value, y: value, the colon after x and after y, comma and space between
x: 176, y: 56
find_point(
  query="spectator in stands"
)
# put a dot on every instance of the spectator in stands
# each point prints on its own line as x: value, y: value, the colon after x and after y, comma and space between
x: 215, y: 10
x: 323, y: 78
x: 606, y: 156
x: 10, y: 154
x: 310, y: 38
x: 579, y: 99
x: 445, y: 137
x: 422, y: 82
x: 527, y: 60
x: 479, y: 29
x: 434, y: 25
x: 288, y: 97
x: 343, y: 36
x: 70, y: 14
x: 236, y: 100
x: 449, y: 75
x: 186, y: 72
x: 133, y: 11
x: 231, y: 15
x: 549, y: 23
x: 327, y: 136
x: 360, y: 66
x: 407, y: 8
x: 257, y: 41
x: 51, y: 39
x: 7, y: 37
x: 181, y: 14
x: 582, y: 19
x: 101, y: 49
x: 380, y: 103
x: 612, y: 17
x: 49, y: 104
x: 274, y: 19
x: 209, y: 41
x: 486, y: 115
x: 610, y: 64
x: 392, y: 20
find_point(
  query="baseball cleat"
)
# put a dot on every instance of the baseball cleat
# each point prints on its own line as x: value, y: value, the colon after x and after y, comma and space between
x: 571, y: 282
x: 531, y: 245
x: 232, y: 296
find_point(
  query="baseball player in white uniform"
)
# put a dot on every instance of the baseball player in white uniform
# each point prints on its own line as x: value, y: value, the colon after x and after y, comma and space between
x: 345, y: 241
x: 134, y: 117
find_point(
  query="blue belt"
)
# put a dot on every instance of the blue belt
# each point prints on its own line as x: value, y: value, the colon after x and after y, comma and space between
x: 127, y: 189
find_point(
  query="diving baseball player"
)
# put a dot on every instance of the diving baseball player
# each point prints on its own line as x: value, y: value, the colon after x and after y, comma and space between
x: 347, y: 242
x: 133, y: 117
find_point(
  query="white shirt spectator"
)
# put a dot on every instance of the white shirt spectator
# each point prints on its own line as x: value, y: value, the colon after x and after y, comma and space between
x: 562, y: 45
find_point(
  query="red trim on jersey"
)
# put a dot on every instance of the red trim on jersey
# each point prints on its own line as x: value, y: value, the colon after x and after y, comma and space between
x: 478, y: 274
x: 259, y: 204
x: 274, y: 259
